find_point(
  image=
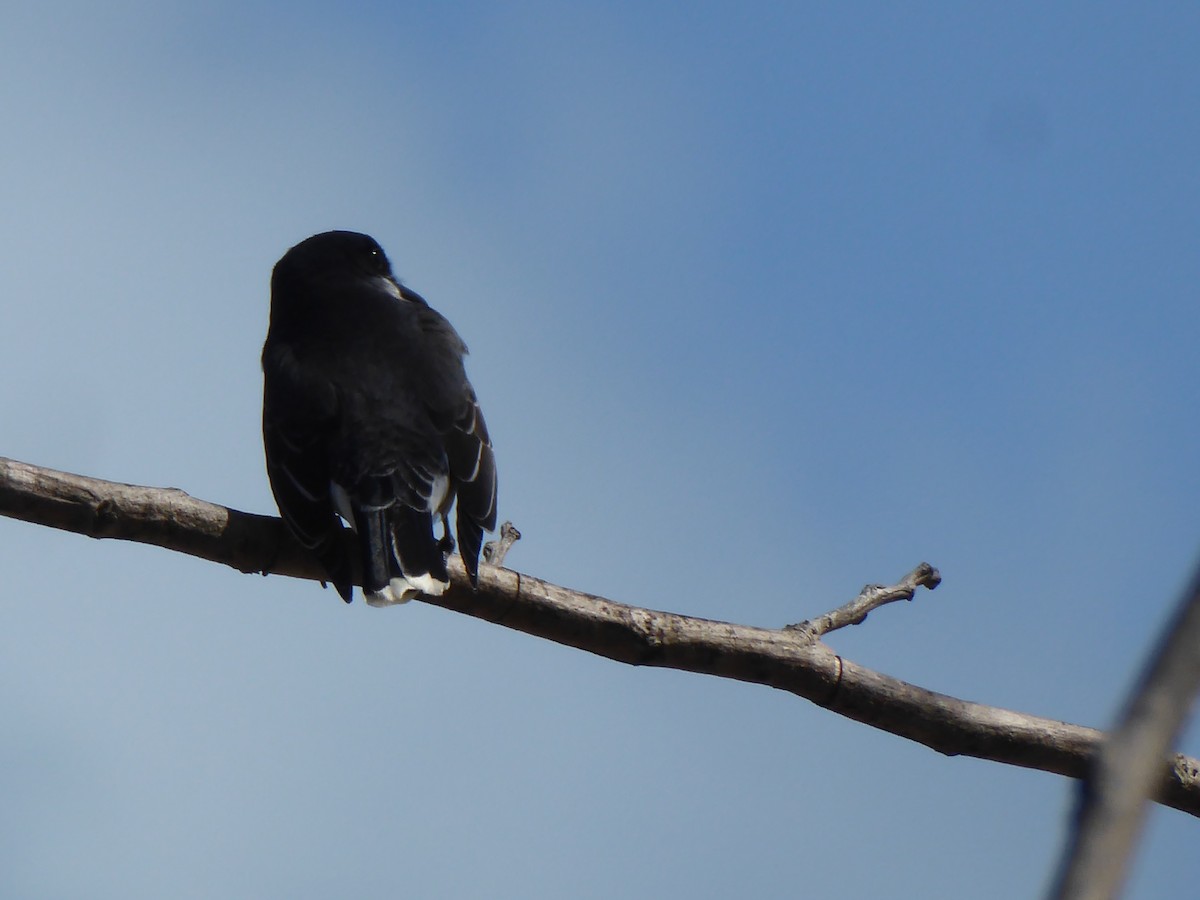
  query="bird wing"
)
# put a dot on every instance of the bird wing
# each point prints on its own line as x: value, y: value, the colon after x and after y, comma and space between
x: 296, y: 413
x: 473, y: 475
x: 454, y: 410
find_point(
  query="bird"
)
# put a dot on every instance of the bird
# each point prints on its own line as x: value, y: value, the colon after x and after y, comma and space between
x: 369, y: 420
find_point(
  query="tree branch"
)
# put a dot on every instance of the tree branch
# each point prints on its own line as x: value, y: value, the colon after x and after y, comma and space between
x: 1112, y: 799
x: 870, y: 598
x: 790, y: 660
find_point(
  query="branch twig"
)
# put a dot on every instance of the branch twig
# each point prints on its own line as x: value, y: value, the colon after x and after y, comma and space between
x: 495, y: 551
x: 788, y: 660
x: 870, y: 598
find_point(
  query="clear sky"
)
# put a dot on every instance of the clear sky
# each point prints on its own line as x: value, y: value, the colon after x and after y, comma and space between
x: 765, y: 302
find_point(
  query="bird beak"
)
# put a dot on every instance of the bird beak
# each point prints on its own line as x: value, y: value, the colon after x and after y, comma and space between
x: 391, y: 287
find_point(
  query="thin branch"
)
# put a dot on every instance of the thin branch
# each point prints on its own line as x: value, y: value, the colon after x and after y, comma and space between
x: 495, y: 551
x: 870, y: 598
x: 788, y: 660
x: 1112, y: 799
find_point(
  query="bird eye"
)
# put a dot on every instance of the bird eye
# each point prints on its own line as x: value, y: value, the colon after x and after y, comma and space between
x: 376, y: 260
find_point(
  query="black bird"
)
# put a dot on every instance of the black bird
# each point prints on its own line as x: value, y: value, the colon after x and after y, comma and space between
x: 368, y: 417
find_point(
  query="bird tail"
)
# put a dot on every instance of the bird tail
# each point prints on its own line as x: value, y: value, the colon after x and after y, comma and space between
x: 371, y: 526
x: 417, y: 553
x: 401, y: 557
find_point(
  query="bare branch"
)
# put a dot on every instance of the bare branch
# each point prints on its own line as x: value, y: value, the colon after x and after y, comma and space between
x: 1127, y: 768
x: 871, y: 597
x: 790, y: 660
x: 495, y: 551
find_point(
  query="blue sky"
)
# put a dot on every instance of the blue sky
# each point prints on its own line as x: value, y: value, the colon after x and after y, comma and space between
x: 765, y: 302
